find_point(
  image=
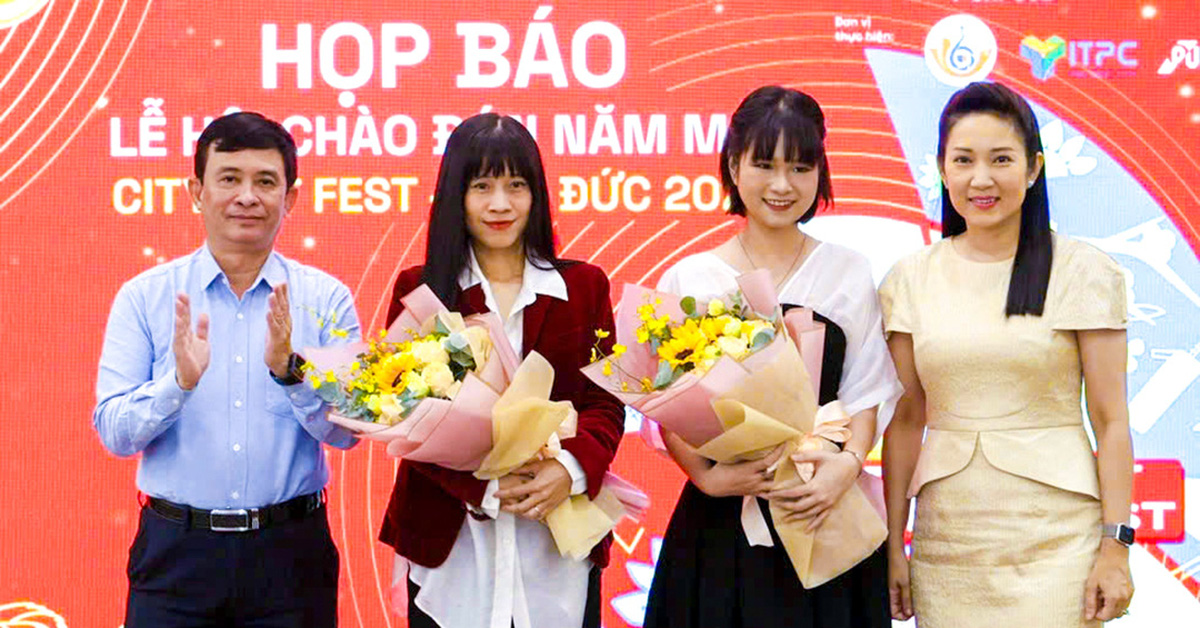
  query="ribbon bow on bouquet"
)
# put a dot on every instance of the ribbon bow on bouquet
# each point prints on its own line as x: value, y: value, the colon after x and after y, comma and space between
x: 854, y: 527
x: 831, y: 425
x: 741, y: 409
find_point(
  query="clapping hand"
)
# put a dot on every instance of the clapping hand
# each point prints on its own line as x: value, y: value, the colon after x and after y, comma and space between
x: 190, y: 347
x: 279, y: 331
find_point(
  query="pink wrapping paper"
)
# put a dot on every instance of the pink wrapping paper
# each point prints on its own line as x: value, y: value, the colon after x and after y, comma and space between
x: 685, y: 406
x: 453, y: 434
x: 460, y: 433
x: 740, y: 410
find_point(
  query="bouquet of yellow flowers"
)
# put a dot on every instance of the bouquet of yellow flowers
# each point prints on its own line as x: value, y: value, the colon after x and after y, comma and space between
x: 734, y: 379
x: 448, y: 390
x: 425, y: 386
x: 389, y: 377
x: 695, y: 344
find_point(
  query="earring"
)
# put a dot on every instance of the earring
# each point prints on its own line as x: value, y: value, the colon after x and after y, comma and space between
x: 1031, y: 183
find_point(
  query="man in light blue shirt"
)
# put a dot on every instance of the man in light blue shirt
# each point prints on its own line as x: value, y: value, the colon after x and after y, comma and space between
x: 200, y: 375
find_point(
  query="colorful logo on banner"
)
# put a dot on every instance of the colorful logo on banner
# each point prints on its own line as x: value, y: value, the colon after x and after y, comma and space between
x: 1185, y: 53
x: 960, y: 49
x: 1043, y: 54
x: 1098, y: 56
x: 13, y: 12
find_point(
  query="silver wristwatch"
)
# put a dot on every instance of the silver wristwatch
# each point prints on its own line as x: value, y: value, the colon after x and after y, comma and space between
x: 1119, y: 531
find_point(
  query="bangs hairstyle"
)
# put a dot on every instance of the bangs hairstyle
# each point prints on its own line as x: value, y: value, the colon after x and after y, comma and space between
x: 757, y: 126
x: 1035, y: 243
x: 484, y: 145
x: 246, y: 130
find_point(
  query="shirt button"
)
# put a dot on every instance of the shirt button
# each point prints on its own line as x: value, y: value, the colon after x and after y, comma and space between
x: 240, y: 316
x: 237, y: 404
x: 237, y: 358
x: 237, y: 447
x: 295, y: 395
x: 235, y: 495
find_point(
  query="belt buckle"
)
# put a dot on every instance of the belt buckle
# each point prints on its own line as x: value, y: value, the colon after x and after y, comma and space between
x: 251, y: 520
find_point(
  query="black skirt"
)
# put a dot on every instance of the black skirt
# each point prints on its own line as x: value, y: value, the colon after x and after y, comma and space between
x: 708, y: 576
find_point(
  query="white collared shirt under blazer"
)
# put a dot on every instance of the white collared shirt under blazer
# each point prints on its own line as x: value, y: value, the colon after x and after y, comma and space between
x: 1008, y: 511
x: 506, y: 570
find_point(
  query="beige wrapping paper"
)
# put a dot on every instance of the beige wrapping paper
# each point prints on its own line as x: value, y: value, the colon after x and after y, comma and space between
x: 767, y: 409
x: 527, y: 426
x: 524, y: 418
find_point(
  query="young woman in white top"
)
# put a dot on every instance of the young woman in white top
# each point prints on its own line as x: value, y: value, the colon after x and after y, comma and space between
x: 773, y: 166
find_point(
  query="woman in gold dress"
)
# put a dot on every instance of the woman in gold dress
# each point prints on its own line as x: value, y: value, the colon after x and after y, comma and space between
x: 993, y: 330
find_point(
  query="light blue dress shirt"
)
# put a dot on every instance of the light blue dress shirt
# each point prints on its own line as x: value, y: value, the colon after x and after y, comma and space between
x: 238, y: 439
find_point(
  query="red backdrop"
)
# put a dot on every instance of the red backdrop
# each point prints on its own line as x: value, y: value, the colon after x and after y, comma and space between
x: 97, y: 99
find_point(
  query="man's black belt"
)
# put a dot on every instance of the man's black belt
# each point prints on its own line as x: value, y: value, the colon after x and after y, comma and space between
x: 238, y: 519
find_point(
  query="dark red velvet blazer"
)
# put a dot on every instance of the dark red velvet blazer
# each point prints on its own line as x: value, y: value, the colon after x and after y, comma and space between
x: 427, y: 506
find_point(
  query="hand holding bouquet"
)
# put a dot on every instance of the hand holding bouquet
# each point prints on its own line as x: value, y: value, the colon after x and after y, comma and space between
x: 735, y: 379
x: 448, y: 390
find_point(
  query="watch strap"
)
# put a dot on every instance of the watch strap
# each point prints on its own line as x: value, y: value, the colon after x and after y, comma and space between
x: 295, y: 373
x: 1121, y: 532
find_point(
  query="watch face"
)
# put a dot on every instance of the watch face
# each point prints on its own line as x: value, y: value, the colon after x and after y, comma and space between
x: 1125, y: 534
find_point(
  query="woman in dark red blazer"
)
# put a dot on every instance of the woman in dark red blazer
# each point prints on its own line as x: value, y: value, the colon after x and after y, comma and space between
x: 479, y: 553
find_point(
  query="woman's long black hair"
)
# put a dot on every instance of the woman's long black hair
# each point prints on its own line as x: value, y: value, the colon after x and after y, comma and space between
x: 484, y: 145
x: 1035, y: 244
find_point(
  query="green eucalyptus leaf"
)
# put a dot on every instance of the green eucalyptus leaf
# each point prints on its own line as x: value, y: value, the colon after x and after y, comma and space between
x: 455, y: 342
x: 330, y: 392
x: 664, y: 376
x: 762, y: 339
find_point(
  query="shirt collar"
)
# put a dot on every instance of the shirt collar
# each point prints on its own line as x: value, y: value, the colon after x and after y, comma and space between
x: 534, y: 280
x: 272, y: 273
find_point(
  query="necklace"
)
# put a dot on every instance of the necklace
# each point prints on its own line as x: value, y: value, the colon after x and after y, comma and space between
x: 799, y: 254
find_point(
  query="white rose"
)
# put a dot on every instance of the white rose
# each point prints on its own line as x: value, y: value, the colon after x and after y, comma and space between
x: 439, y: 378
x: 736, y: 348
x: 429, y: 352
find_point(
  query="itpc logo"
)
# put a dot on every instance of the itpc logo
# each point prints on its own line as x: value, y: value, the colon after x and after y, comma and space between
x: 960, y: 49
x: 1185, y: 52
x: 1085, y: 57
x: 1042, y: 55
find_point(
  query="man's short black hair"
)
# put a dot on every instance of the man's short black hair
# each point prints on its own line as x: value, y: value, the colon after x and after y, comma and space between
x: 247, y: 130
